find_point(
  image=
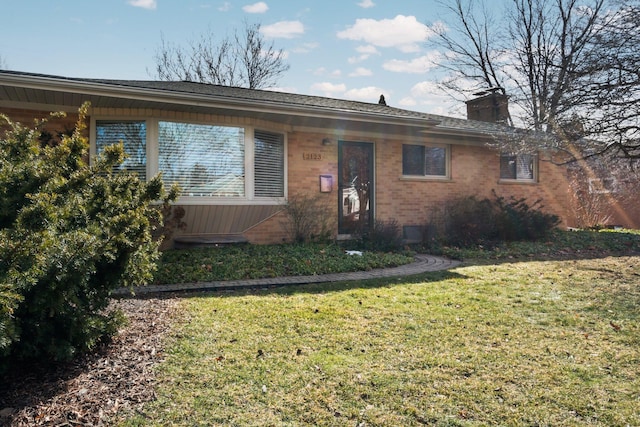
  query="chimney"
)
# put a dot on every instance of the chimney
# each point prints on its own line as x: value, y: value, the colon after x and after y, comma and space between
x: 490, y: 105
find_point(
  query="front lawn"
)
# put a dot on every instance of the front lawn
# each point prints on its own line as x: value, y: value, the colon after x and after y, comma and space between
x: 515, y: 342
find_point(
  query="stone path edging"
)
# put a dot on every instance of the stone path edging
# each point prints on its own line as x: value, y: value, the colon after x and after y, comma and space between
x: 422, y: 264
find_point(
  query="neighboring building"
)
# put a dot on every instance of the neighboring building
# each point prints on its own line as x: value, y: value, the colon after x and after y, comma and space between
x: 238, y: 154
x: 604, y: 192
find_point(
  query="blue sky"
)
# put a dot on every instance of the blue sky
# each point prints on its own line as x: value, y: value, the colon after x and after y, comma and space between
x: 349, y: 49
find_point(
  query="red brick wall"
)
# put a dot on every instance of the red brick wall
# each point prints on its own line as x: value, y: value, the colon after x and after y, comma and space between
x: 475, y: 171
x: 304, y: 179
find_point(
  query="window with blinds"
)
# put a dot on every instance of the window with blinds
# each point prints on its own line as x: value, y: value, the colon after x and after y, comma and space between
x: 421, y: 160
x: 517, y: 166
x: 268, y: 164
x: 133, y: 135
x: 204, y: 160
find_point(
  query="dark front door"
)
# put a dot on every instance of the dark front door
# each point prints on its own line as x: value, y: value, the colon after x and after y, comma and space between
x: 355, y: 186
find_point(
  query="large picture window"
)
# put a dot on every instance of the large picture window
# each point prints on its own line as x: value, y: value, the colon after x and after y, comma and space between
x: 520, y: 167
x: 204, y: 160
x: 421, y: 160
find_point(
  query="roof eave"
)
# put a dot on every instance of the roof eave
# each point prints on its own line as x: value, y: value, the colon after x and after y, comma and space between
x: 60, y: 84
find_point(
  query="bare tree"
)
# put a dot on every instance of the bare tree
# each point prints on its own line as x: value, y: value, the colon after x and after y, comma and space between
x: 572, y: 67
x: 244, y: 60
x: 472, y: 47
x: 3, y: 63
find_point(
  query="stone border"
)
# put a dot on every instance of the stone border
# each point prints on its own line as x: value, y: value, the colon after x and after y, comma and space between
x: 422, y: 264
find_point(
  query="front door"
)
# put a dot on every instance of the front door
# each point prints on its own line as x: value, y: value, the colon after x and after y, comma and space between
x: 355, y: 186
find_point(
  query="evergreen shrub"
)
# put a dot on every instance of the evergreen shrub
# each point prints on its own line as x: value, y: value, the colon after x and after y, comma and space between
x: 70, y: 233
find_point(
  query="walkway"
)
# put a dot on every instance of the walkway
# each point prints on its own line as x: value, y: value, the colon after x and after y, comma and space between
x: 423, y: 264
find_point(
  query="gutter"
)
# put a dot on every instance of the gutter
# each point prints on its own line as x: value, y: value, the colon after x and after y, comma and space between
x: 115, y: 90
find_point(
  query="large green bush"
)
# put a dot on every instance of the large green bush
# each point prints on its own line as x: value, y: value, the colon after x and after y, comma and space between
x: 517, y: 220
x: 70, y: 233
x: 469, y: 221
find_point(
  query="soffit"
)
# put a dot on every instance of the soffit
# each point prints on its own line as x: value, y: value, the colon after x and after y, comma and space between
x: 296, y: 111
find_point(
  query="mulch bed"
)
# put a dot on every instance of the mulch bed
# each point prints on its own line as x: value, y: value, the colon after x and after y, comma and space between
x: 117, y: 377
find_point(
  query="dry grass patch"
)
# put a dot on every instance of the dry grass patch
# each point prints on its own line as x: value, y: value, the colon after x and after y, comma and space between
x: 527, y: 343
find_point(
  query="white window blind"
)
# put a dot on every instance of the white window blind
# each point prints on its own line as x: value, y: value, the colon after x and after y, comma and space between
x: 518, y: 166
x: 204, y: 160
x: 133, y: 135
x: 435, y: 161
x: 269, y: 164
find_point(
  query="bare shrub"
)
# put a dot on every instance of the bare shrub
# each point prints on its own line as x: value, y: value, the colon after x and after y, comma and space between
x: 381, y: 236
x: 307, y: 218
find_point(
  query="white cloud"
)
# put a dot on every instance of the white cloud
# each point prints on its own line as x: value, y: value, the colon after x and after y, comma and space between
x: 145, y: 4
x: 356, y: 59
x: 361, y: 72
x: 365, y: 53
x: 283, y: 30
x: 419, y: 65
x: 225, y: 7
x: 367, y: 49
x: 402, y: 32
x: 365, y: 4
x: 367, y: 94
x: 322, y: 71
x: 305, y: 48
x: 434, y: 100
x: 260, y: 7
x: 408, y: 102
x: 426, y: 88
x: 328, y: 89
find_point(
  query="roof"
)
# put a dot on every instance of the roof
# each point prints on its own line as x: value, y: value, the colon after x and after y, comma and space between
x: 289, y: 108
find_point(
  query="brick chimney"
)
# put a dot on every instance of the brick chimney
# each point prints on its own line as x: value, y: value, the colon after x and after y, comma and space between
x: 490, y: 105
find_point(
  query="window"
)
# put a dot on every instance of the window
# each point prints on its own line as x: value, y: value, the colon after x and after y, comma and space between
x: 602, y: 185
x: 204, y: 160
x: 134, y: 137
x: 268, y: 164
x: 421, y: 160
x: 517, y: 167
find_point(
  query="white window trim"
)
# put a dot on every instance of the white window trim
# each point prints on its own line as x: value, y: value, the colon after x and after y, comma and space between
x: 601, y: 189
x: 445, y: 177
x: 152, y: 125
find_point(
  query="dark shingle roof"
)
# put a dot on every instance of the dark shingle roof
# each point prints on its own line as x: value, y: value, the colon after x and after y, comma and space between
x: 277, y: 99
x: 290, y: 99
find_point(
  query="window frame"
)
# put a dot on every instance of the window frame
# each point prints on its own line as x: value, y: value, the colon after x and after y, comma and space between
x: 425, y: 145
x: 516, y: 180
x: 598, y: 186
x: 152, y: 153
x: 94, y: 142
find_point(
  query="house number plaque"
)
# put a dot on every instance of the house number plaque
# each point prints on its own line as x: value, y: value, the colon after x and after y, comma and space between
x: 311, y: 156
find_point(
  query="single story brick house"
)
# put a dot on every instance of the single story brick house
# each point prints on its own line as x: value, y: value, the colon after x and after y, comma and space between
x: 239, y: 154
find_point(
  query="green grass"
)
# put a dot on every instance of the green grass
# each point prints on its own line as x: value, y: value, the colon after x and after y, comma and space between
x: 516, y: 342
x: 559, y: 244
x: 262, y: 261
